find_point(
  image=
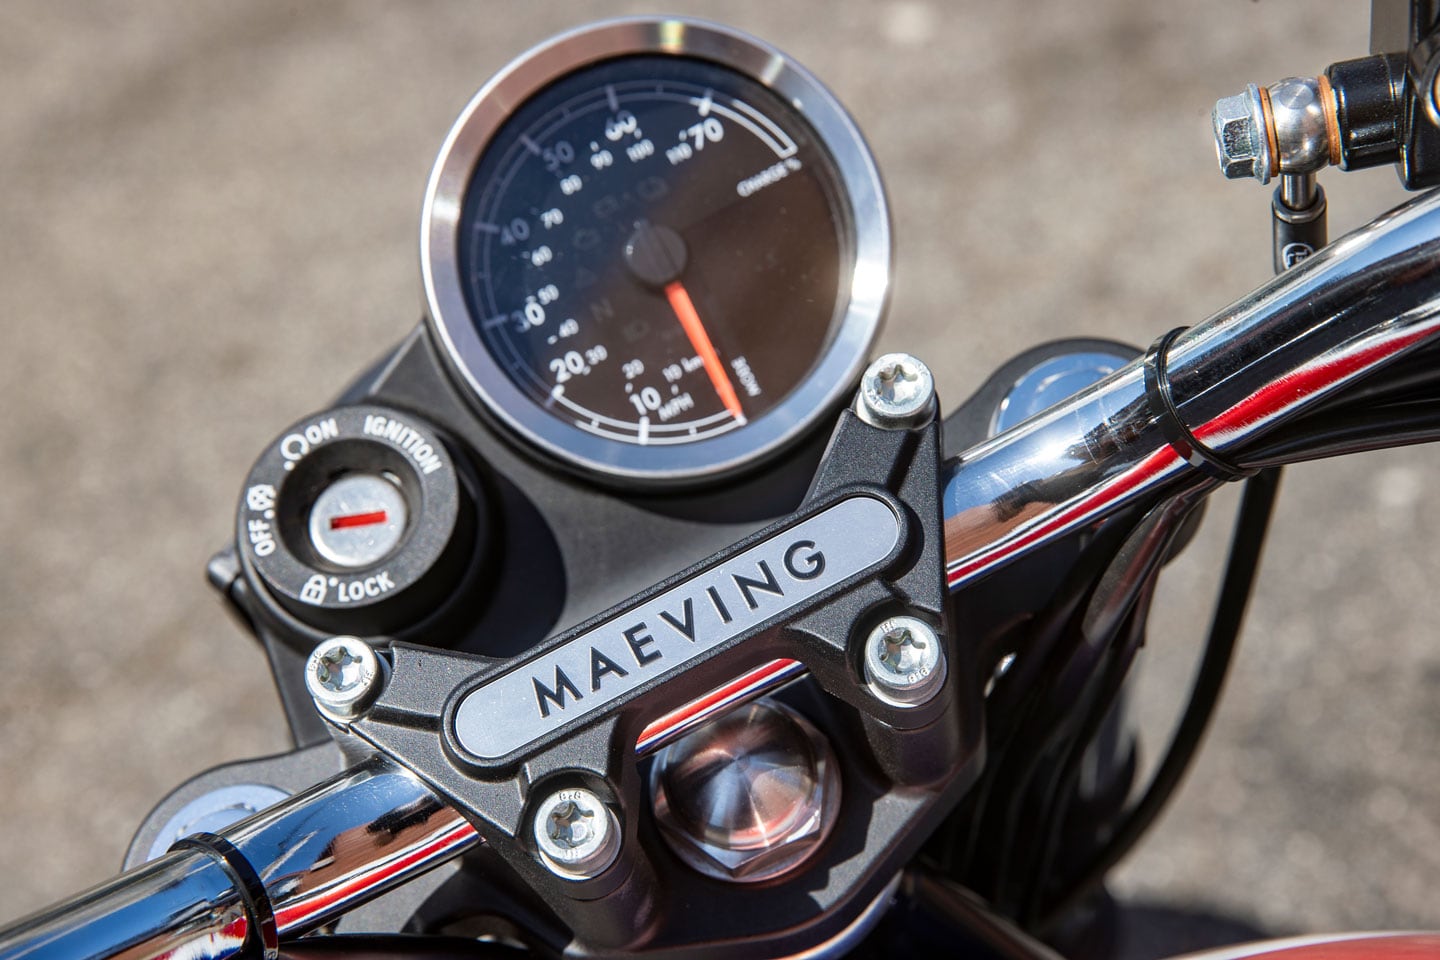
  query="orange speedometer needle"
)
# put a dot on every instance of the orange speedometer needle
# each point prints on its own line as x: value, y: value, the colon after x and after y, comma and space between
x: 689, y: 318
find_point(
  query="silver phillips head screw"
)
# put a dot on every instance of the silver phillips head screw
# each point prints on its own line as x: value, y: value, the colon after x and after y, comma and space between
x: 904, y: 661
x: 344, y: 676
x: 1241, y: 142
x: 578, y: 836
x: 896, y: 390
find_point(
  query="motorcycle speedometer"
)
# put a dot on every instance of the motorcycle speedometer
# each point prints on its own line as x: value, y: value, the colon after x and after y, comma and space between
x: 655, y: 250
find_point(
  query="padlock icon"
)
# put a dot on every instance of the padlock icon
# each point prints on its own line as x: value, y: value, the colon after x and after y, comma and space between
x: 314, y: 590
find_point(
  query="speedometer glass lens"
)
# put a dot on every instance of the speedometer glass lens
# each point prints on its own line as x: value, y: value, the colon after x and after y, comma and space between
x: 650, y: 256
x: 657, y: 255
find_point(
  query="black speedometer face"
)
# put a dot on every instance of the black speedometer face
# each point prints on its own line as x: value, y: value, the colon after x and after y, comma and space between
x: 652, y: 248
x: 657, y: 254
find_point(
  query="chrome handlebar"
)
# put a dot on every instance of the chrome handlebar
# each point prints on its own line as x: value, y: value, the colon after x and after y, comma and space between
x: 1357, y: 306
x: 280, y: 873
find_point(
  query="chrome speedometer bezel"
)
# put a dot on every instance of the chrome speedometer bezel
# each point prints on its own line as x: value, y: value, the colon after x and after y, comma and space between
x: 822, y: 388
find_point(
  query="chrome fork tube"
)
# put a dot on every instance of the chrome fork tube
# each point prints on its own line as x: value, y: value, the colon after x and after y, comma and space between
x: 1360, y: 303
x: 286, y: 870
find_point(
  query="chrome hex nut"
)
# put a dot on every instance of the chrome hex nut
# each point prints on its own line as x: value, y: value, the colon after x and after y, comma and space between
x: 1241, y: 143
x: 749, y: 796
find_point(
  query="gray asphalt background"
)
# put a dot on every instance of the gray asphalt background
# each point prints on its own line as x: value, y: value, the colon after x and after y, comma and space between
x: 208, y: 220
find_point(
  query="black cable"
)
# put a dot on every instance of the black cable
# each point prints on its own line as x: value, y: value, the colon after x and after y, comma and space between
x: 1413, y: 377
x: 1251, y: 523
x: 936, y: 917
x: 1396, y: 411
x: 1074, y: 687
x: 1063, y: 784
x: 1020, y: 695
x: 1082, y: 681
x: 1056, y: 739
x: 1399, y: 408
x: 1017, y: 691
x: 1391, y: 425
x: 1032, y: 740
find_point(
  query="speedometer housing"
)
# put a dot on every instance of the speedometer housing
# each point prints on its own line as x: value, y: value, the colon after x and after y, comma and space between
x: 655, y: 250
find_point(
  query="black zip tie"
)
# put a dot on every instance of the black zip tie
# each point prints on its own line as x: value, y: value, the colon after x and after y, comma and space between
x: 258, y: 909
x: 1162, y: 404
